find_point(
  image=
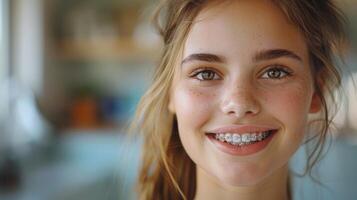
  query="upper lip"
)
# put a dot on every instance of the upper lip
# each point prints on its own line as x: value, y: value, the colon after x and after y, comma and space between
x: 241, y: 129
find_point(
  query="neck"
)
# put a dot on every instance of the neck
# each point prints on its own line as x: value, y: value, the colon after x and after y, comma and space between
x: 273, y: 187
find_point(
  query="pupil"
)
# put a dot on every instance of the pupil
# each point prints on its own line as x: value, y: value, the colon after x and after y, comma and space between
x: 207, y: 75
x: 274, y: 74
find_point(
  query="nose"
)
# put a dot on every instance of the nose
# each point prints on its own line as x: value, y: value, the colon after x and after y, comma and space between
x: 240, y: 102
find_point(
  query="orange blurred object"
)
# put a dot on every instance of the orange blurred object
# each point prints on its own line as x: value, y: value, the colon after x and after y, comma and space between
x: 84, y: 113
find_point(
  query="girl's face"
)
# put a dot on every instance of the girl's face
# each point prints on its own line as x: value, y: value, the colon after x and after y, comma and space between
x: 245, y: 79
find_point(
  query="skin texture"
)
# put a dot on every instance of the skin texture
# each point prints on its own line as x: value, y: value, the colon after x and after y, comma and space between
x: 240, y: 91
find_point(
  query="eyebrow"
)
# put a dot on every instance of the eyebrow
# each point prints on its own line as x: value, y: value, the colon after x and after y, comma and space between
x: 203, y: 57
x: 274, y: 54
x: 260, y: 56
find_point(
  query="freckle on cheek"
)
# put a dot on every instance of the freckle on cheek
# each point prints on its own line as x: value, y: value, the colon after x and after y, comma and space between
x: 202, y: 93
x: 199, y: 100
x: 195, y: 93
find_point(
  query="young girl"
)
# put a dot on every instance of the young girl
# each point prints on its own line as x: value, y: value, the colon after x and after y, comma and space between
x: 232, y: 97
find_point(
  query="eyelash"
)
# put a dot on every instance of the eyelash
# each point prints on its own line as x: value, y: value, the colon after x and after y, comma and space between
x: 277, y: 68
x: 200, y: 71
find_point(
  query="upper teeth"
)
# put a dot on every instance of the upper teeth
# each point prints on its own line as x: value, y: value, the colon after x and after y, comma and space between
x: 240, y: 139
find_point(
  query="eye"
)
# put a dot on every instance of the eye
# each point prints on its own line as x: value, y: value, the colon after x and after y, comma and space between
x: 276, y: 72
x: 206, y: 75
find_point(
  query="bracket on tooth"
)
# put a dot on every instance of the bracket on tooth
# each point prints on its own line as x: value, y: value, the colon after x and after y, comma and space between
x: 221, y: 137
x: 240, y: 140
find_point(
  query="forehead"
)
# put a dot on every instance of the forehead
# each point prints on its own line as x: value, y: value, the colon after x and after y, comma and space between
x: 238, y: 29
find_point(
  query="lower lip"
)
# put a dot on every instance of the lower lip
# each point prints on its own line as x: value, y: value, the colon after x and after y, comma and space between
x: 244, y: 150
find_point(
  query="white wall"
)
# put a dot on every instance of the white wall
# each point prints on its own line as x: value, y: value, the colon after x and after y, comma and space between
x: 27, y: 40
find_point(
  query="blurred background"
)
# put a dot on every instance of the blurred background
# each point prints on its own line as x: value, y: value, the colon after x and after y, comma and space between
x: 71, y: 73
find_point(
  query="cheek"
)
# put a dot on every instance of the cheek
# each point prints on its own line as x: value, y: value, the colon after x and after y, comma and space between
x: 290, y: 105
x: 193, y: 110
x: 292, y: 101
x: 192, y: 106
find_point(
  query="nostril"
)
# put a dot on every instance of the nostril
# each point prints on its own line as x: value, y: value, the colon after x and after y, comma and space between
x: 240, y: 111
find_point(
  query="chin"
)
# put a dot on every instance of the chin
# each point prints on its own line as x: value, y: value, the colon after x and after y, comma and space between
x: 241, y: 181
x: 241, y: 178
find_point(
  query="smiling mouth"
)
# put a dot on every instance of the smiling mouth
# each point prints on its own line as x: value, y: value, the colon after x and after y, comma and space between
x: 242, y: 139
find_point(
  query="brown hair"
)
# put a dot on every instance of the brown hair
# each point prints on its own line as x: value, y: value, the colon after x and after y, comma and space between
x: 166, y: 171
